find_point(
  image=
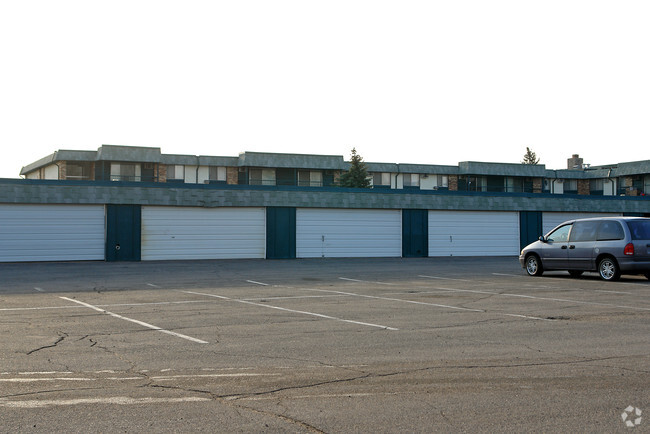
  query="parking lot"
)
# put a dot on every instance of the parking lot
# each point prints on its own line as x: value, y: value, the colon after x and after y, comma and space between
x: 323, y: 345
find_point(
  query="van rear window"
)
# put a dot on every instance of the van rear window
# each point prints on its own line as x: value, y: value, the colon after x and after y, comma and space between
x: 639, y: 229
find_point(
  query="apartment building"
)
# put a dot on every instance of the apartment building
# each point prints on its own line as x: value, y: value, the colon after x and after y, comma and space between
x: 142, y: 164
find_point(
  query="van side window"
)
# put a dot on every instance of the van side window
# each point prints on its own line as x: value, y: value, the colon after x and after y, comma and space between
x: 640, y: 229
x: 584, y: 231
x: 610, y: 230
x: 559, y: 235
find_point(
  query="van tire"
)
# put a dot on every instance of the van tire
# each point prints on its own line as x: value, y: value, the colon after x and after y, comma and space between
x: 533, y: 265
x: 608, y: 269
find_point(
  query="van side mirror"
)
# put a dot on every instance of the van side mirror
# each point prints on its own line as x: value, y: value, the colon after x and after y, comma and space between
x: 542, y: 239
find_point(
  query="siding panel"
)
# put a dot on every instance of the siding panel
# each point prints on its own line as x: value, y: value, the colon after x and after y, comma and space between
x: 202, y: 233
x: 473, y: 233
x: 51, y: 233
x: 330, y: 233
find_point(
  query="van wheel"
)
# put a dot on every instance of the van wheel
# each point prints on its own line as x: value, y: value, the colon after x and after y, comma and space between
x: 608, y: 269
x: 534, y: 265
x: 575, y: 273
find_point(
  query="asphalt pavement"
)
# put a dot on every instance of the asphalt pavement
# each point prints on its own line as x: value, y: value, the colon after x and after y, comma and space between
x: 323, y: 345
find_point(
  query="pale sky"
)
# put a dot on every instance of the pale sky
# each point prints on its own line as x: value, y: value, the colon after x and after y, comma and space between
x: 431, y: 82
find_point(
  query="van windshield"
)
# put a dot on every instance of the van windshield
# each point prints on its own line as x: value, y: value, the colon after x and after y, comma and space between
x: 639, y: 229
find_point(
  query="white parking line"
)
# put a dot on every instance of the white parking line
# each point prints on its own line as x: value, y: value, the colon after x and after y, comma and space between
x: 142, y: 323
x: 432, y: 304
x: 365, y: 281
x: 614, y: 292
x: 153, y: 286
x: 118, y: 400
x: 293, y: 297
x: 446, y: 278
x: 257, y: 283
x: 157, y: 378
x: 395, y: 299
x: 526, y: 316
x: 39, y: 289
x: 102, y: 305
x: 563, y: 300
x: 292, y: 310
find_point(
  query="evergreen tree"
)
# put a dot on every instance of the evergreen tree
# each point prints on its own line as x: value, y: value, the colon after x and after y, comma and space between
x: 530, y: 157
x: 357, y: 176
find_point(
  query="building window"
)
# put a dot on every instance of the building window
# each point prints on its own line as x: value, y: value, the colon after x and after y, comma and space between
x: 596, y: 187
x: 78, y: 170
x: 125, y: 172
x: 411, y: 180
x: 514, y: 185
x: 175, y: 172
x: 570, y: 186
x: 255, y: 176
x: 217, y: 173
x: 381, y: 180
x: 310, y: 178
x: 443, y: 182
x: 472, y: 183
x: 261, y: 176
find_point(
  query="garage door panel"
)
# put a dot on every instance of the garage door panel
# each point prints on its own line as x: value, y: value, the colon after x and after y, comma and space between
x: 200, y: 233
x: 348, y: 233
x: 473, y: 233
x: 51, y: 232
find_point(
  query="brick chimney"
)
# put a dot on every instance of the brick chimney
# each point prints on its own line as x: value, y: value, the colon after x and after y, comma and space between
x: 575, y: 162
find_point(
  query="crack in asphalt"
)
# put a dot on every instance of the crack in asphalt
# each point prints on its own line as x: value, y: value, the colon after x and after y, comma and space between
x: 231, y: 403
x: 39, y: 392
x: 62, y: 336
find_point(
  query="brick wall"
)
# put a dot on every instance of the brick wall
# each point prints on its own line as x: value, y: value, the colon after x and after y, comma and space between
x: 583, y: 186
x: 161, y: 172
x: 62, y: 169
x: 453, y: 182
x: 232, y: 175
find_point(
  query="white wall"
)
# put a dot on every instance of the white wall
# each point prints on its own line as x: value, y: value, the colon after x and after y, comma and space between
x: 51, y: 172
x: 190, y: 174
x: 204, y: 174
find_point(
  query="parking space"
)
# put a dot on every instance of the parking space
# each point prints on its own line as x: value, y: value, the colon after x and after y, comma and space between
x: 454, y: 344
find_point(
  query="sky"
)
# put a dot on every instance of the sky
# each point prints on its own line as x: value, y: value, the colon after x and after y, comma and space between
x: 427, y: 82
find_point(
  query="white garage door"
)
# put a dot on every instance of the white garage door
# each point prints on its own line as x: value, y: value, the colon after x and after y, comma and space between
x: 552, y: 219
x: 51, y: 233
x: 473, y: 233
x: 202, y: 233
x: 341, y: 233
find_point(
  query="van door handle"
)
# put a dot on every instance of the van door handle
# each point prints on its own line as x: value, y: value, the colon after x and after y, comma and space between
x: 564, y: 247
x: 572, y: 247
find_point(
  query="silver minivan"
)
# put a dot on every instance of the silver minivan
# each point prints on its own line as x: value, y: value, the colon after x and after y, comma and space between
x: 611, y: 246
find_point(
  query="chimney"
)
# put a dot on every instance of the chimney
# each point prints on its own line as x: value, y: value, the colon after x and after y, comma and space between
x: 575, y: 162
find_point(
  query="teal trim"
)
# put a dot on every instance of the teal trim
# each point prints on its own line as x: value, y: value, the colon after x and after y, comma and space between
x: 280, y: 233
x: 530, y: 227
x: 415, y: 233
x: 123, y: 232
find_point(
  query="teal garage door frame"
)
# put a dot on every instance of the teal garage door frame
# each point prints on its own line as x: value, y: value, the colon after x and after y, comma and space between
x: 280, y: 233
x: 123, y: 232
x: 415, y: 233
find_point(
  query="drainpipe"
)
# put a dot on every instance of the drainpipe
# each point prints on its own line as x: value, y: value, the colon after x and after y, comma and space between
x: 553, y: 182
x: 609, y: 172
x: 398, y: 173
